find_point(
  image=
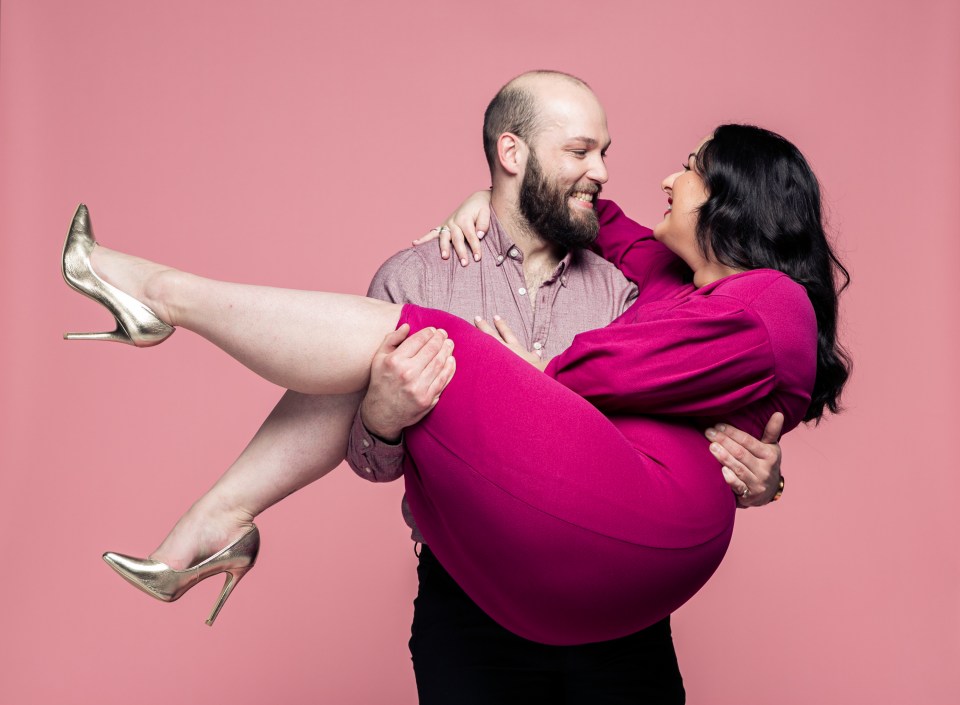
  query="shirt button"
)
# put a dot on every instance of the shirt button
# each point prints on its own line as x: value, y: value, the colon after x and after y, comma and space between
x: 366, y: 443
x: 499, y: 258
x: 514, y: 252
x: 538, y: 346
x: 368, y: 471
x: 521, y: 291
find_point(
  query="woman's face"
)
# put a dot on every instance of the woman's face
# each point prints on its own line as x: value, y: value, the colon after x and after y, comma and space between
x: 686, y: 192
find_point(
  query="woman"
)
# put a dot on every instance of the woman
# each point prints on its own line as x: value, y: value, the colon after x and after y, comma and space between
x: 626, y: 519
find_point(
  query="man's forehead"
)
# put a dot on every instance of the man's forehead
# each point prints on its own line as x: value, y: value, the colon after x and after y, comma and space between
x: 572, y: 122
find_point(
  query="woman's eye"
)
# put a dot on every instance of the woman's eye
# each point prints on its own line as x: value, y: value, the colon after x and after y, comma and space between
x: 579, y: 152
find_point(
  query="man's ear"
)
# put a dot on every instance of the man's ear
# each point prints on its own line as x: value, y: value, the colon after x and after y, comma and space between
x: 512, y: 153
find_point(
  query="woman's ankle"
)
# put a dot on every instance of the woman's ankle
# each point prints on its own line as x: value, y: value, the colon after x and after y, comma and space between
x: 205, y: 529
x: 162, y: 290
x: 154, y: 285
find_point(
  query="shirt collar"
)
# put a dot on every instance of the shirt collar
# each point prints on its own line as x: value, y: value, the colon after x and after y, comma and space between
x: 499, y: 243
x: 503, y: 248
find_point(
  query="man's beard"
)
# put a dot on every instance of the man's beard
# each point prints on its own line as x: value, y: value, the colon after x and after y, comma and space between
x: 546, y: 210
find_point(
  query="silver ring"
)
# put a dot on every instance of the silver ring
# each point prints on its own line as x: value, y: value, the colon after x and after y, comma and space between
x: 436, y: 229
x: 444, y: 229
x: 746, y: 491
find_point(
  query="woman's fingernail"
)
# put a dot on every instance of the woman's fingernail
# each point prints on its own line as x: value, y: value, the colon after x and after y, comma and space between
x: 480, y: 234
x: 476, y: 256
x: 714, y: 448
x: 710, y: 433
x: 721, y: 427
x: 463, y: 261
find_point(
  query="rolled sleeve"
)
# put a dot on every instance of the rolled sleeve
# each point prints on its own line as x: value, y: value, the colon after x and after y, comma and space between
x: 371, y: 458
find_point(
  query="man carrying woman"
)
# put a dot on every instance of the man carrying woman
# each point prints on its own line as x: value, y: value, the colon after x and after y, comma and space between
x: 623, y: 526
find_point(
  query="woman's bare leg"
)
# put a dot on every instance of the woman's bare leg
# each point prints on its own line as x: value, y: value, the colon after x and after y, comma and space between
x: 320, y: 345
x: 303, y: 439
x: 308, y: 341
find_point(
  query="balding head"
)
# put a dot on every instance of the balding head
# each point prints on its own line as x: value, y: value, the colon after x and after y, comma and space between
x: 545, y: 135
x: 518, y: 108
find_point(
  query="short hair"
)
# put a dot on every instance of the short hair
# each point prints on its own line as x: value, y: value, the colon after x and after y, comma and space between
x: 514, y: 109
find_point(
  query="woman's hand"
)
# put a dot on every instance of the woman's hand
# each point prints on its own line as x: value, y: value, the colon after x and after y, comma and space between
x: 501, y: 331
x: 465, y: 227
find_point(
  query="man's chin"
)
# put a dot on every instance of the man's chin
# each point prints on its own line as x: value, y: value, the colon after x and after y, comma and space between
x: 586, y: 222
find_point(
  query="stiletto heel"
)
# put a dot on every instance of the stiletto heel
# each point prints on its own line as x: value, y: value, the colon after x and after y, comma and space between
x: 136, y: 323
x: 166, y: 584
x: 228, y: 585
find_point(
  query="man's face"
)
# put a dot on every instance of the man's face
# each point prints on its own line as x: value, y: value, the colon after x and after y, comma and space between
x: 544, y: 204
x: 565, y: 170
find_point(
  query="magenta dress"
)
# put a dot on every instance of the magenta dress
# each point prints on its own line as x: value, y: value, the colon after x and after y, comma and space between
x: 583, y: 504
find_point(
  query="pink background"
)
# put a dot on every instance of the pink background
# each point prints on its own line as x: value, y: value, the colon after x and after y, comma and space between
x: 300, y: 144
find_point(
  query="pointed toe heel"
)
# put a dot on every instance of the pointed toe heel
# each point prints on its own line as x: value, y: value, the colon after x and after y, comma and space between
x: 136, y: 323
x: 164, y: 583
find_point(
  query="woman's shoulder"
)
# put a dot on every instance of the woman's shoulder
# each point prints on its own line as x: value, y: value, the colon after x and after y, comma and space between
x: 759, y: 286
x: 777, y: 302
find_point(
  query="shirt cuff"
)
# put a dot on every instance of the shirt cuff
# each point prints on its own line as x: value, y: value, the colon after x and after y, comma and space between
x: 371, y: 457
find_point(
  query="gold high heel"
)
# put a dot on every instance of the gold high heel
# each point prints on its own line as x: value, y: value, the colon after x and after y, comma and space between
x: 136, y: 323
x: 164, y: 583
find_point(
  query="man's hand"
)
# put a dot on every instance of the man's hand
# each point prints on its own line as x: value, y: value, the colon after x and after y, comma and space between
x: 749, y: 464
x: 406, y: 378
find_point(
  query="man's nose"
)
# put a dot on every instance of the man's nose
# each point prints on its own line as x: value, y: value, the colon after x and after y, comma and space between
x: 598, y: 171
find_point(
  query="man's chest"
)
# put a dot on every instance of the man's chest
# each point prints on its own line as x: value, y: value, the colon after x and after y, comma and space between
x: 560, y: 310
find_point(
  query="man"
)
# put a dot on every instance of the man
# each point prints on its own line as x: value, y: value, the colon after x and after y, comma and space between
x: 545, y: 137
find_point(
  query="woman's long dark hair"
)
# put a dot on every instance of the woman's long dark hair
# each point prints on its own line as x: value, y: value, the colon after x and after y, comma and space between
x: 763, y: 211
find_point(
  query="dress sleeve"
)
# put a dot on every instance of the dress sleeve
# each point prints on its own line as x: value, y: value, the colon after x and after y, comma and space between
x: 704, y: 356
x: 401, y: 279
x: 657, y: 272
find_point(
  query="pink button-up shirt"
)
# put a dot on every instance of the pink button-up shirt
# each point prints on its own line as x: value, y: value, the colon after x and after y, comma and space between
x: 583, y: 293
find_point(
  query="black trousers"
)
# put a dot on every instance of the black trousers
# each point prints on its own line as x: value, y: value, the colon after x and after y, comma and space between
x: 462, y: 657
